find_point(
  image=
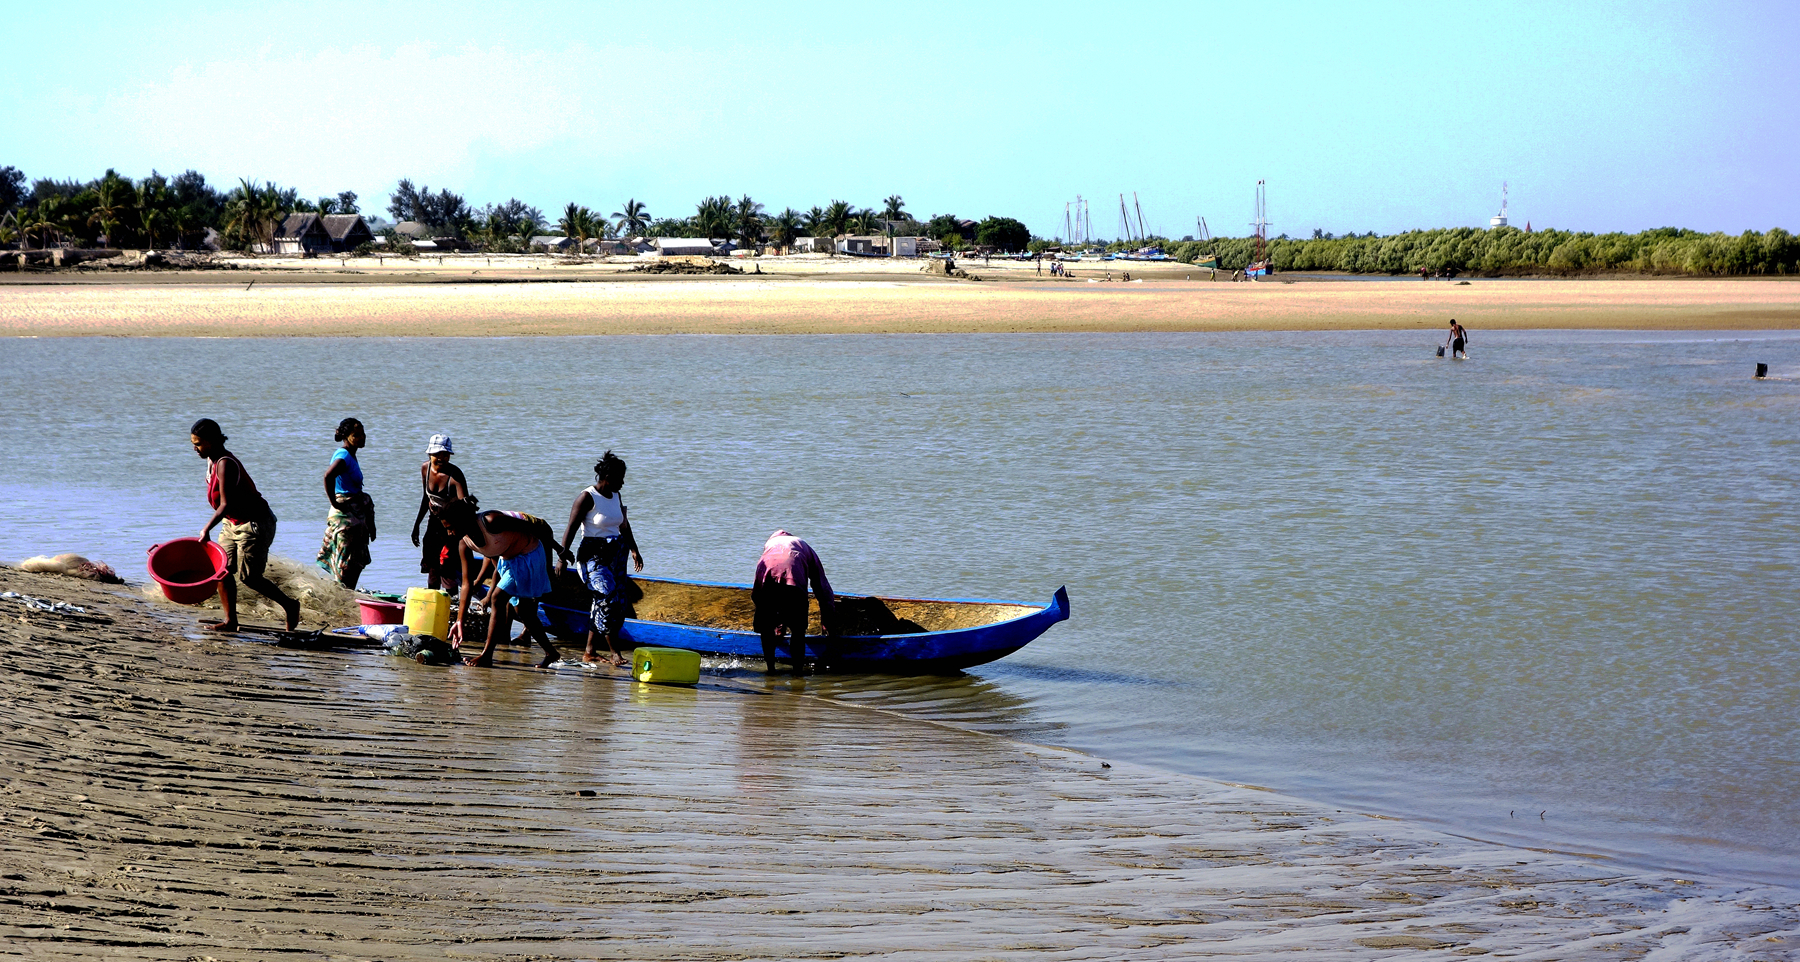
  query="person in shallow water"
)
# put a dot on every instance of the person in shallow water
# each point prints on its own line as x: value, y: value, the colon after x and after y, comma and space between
x: 249, y: 525
x: 518, y: 547
x: 443, y: 483
x: 350, y: 522
x: 599, y: 511
x: 779, y: 593
x: 1458, y: 339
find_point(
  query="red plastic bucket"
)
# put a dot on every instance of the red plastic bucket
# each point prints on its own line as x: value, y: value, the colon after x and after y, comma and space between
x: 187, y: 569
x: 381, y: 612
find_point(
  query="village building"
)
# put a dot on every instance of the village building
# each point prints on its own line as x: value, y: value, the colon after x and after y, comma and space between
x: 302, y: 234
x: 551, y: 243
x: 348, y: 232
x: 684, y: 246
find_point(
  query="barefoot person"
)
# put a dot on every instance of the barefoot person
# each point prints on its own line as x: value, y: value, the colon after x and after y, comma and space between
x: 350, y: 523
x: 443, y: 483
x: 249, y: 525
x: 779, y: 593
x: 599, y: 511
x: 517, y: 545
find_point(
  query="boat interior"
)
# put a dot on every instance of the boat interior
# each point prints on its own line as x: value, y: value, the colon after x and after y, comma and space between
x: 729, y: 608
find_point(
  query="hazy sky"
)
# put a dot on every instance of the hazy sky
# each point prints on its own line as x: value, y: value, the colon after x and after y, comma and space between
x: 1602, y: 116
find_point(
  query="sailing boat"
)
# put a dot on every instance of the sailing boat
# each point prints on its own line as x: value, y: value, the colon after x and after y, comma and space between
x: 1259, y: 264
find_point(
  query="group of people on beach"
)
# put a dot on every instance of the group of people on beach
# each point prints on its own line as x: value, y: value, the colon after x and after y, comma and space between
x: 463, y: 547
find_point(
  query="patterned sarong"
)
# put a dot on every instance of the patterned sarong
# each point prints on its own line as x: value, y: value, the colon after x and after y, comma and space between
x: 603, y: 571
x: 348, y: 530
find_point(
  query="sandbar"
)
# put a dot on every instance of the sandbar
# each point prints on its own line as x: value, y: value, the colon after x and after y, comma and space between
x: 463, y: 298
x: 171, y: 795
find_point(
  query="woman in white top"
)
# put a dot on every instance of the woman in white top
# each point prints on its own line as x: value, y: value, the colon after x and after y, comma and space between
x: 599, y: 512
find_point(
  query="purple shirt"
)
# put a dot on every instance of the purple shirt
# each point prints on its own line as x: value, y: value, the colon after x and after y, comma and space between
x: 791, y: 561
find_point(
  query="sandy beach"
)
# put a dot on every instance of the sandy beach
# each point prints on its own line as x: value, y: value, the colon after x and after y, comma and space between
x: 473, y: 296
x: 177, y: 796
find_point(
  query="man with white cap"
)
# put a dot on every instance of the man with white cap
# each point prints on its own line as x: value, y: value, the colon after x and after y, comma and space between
x: 443, y: 483
x: 779, y: 592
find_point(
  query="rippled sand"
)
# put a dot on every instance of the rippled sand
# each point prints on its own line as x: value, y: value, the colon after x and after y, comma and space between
x: 173, y: 796
x: 462, y: 304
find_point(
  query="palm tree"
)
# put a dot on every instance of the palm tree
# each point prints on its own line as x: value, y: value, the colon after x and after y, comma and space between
x: 634, y: 219
x: 814, y: 221
x: 866, y: 222
x: 714, y: 216
x: 251, y: 213
x: 529, y: 226
x: 577, y: 222
x: 113, y: 201
x: 895, y: 209
x: 153, y: 204
x: 749, y: 221
x: 837, y: 218
x: 785, y: 227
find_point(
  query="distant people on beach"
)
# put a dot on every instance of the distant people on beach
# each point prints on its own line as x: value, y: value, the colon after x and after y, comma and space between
x: 442, y: 483
x: 515, y: 546
x: 350, y: 521
x: 249, y: 525
x: 599, y: 513
x: 1457, y: 340
x: 778, y: 592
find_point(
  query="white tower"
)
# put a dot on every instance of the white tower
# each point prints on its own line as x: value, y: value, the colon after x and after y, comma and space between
x: 1499, y: 220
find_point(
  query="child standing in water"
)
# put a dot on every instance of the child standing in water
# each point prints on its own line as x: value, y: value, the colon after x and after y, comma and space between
x: 249, y: 525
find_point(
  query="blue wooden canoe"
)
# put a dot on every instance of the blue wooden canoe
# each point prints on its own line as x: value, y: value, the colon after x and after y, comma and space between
x: 897, y: 635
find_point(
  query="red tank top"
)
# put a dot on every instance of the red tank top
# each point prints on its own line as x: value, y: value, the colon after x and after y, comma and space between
x: 246, y: 503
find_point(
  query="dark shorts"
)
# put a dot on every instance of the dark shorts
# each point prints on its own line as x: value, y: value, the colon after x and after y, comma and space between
x: 1456, y: 346
x: 780, y: 605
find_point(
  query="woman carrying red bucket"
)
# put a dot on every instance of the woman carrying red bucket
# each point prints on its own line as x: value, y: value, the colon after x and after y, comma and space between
x: 249, y: 526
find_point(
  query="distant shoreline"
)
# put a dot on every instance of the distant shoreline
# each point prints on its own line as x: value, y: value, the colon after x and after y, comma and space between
x: 542, y: 296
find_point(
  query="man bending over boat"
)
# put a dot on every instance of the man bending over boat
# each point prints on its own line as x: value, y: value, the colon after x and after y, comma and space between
x: 779, y: 592
x: 519, y: 545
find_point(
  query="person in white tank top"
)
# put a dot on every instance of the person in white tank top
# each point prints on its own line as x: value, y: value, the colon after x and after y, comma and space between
x: 599, y: 512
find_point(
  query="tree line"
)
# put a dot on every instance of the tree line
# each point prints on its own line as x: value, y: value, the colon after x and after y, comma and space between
x: 154, y: 212
x: 176, y: 212
x: 1509, y: 251
x: 158, y: 211
x: 746, y: 221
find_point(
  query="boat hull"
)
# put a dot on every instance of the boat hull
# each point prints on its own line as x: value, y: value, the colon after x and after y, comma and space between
x: 881, y: 636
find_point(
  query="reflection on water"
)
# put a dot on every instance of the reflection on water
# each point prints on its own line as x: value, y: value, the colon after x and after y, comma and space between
x: 1556, y: 578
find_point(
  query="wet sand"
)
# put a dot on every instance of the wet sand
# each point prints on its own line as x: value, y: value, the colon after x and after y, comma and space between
x: 845, y: 297
x: 175, y: 796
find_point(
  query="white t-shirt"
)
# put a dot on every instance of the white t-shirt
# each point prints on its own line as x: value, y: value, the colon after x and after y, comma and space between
x: 604, y: 517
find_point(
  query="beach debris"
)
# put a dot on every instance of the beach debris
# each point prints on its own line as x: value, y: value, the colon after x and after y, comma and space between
x: 946, y: 267
x: 40, y: 604
x: 587, y: 793
x: 682, y: 267
x: 73, y: 565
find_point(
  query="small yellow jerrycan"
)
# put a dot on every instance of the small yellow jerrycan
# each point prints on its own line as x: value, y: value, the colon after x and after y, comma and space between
x: 666, y: 666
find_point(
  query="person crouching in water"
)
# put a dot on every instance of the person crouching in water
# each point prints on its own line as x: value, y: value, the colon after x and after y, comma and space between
x: 606, y: 537
x: 779, y: 593
x: 519, y: 546
x: 350, y: 524
x: 249, y: 526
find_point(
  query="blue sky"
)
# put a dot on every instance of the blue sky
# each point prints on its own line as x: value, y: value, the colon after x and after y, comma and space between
x: 1385, y: 117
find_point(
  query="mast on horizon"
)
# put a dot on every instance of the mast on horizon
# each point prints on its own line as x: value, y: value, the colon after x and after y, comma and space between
x: 1499, y: 220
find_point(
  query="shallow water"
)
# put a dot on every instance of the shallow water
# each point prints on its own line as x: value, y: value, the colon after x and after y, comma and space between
x: 1543, y: 596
